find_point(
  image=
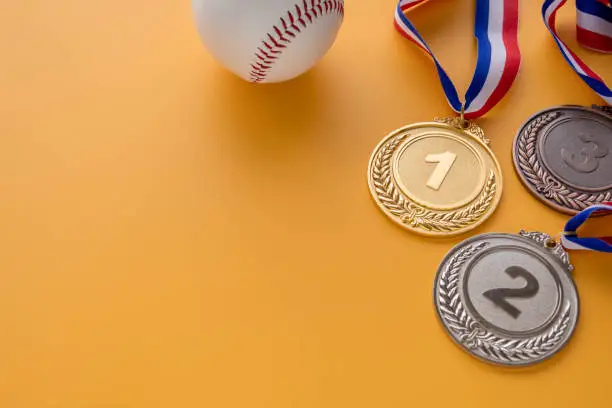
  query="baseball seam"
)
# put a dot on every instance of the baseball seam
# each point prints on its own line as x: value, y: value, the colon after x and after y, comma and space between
x: 277, y: 39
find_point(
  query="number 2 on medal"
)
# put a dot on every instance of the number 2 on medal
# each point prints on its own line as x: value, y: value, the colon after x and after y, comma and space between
x: 498, y: 296
x: 445, y: 162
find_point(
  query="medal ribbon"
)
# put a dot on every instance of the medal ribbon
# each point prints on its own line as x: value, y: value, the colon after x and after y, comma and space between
x: 498, y: 60
x: 570, y: 238
x: 594, y: 30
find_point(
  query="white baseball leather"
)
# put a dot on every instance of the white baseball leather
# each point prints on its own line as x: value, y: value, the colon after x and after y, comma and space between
x: 268, y: 40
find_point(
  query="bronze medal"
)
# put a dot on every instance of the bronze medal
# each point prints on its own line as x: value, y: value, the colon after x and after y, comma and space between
x: 563, y: 155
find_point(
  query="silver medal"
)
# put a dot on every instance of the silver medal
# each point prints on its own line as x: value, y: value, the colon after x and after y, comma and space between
x: 507, y: 299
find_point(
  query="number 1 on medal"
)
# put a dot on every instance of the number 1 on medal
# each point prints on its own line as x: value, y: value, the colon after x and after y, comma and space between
x: 445, y: 162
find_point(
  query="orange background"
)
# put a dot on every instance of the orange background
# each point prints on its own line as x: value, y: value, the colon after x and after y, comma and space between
x: 175, y: 237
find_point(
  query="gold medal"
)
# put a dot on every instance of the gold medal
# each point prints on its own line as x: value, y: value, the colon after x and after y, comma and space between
x: 440, y: 178
x: 436, y: 178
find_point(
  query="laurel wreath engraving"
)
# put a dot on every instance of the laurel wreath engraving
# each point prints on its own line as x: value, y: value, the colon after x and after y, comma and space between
x: 416, y: 215
x: 472, y: 335
x: 541, y: 179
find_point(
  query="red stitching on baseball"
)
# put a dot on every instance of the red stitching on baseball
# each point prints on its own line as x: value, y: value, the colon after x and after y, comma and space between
x: 271, y: 48
x: 292, y: 25
x: 280, y: 35
x: 275, y: 43
x: 265, y: 54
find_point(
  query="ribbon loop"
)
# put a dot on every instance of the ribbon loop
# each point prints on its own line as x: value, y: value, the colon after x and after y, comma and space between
x: 594, y: 31
x: 594, y: 24
x: 498, y: 61
x: 570, y: 238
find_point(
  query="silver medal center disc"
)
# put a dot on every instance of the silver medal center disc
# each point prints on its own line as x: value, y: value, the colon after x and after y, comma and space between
x: 507, y: 299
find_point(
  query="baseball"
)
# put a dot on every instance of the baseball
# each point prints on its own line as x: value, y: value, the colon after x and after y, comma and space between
x: 268, y: 40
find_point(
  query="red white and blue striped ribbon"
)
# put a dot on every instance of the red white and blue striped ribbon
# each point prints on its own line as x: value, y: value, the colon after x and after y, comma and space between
x: 594, y: 20
x: 571, y: 240
x: 498, y: 60
x: 594, y: 24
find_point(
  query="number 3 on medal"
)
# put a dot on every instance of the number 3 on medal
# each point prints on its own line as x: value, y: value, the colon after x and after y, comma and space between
x: 445, y: 162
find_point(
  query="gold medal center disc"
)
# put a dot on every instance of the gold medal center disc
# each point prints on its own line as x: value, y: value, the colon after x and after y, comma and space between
x: 435, y: 178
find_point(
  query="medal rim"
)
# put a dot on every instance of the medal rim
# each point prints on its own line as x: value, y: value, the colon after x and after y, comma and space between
x: 515, y: 161
x: 494, y: 204
x: 513, y: 365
